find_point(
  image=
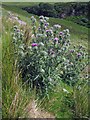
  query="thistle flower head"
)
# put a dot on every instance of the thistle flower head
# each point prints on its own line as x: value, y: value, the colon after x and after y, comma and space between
x: 41, y: 21
x: 56, y: 39
x: 57, y: 26
x: 18, y: 30
x: 67, y: 30
x: 61, y: 33
x: 46, y: 18
x: 72, y: 50
x: 33, y: 19
x: 34, y: 44
x: 46, y: 24
x: 49, y: 31
x: 78, y: 54
x: 41, y: 17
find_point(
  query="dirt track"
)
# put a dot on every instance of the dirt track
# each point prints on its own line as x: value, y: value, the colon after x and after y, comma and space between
x: 35, y: 112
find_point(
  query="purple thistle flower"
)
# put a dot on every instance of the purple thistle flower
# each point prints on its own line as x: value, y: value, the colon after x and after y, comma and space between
x: 72, y: 50
x: 79, y: 54
x: 56, y: 39
x: 61, y: 33
x: 48, y: 30
x: 46, y: 24
x: 18, y: 30
x: 34, y: 44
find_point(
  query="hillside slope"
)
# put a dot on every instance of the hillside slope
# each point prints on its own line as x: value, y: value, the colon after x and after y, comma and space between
x: 60, y: 103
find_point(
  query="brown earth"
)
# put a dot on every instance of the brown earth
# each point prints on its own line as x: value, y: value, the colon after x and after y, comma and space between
x: 35, y: 112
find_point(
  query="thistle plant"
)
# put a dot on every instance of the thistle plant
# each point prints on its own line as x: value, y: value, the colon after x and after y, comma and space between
x: 49, y: 58
x: 18, y: 40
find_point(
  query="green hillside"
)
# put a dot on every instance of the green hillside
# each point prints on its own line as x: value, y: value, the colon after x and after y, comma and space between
x: 77, y: 31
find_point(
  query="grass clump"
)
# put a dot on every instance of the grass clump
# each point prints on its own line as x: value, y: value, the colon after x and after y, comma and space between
x: 15, y: 96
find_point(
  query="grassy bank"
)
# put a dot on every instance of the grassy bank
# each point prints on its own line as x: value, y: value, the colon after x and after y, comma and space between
x: 16, y: 98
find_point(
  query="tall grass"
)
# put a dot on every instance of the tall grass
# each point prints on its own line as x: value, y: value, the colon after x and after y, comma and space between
x: 81, y: 101
x: 15, y: 97
x: 74, y: 104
